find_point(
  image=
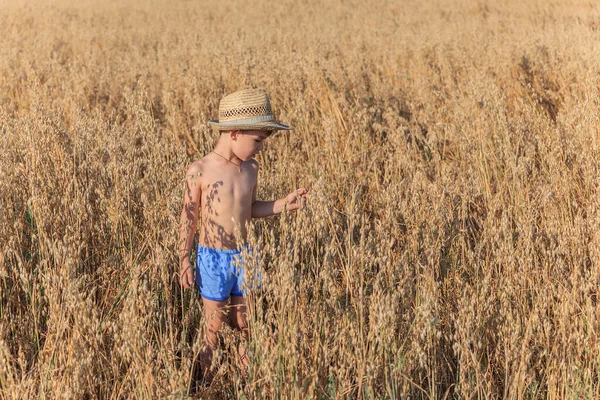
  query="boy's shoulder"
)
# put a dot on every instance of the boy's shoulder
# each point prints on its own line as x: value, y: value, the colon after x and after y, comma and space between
x: 196, y: 169
x: 253, y: 163
x: 252, y: 167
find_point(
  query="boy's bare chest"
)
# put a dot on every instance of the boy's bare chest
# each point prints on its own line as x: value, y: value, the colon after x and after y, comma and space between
x: 227, y: 188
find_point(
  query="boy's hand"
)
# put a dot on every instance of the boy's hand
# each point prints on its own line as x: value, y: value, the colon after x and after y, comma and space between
x: 186, y: 277
x: 295, y: 200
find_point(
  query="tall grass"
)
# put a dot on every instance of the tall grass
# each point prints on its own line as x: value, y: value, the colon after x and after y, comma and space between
x: 450, y: 247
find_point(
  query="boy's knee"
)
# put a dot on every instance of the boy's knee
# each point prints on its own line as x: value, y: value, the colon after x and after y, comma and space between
x: 212, y: 340
x: 212, y: 335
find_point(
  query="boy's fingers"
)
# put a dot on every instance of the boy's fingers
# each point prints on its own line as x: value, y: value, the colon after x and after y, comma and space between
x: 300, y: 192
x: 186, y: 278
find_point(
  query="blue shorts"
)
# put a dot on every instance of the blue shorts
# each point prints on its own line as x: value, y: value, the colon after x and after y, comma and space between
x: 220, y: 273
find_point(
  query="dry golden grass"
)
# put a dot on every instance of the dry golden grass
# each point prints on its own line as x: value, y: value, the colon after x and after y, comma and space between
x: 451, y: 244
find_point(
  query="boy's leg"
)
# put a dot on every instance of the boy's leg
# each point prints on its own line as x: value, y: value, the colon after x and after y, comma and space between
x: 239, y: 321
x: 216, y: 314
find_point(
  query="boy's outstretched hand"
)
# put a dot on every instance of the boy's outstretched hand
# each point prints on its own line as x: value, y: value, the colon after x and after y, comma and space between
x: 295, y: 200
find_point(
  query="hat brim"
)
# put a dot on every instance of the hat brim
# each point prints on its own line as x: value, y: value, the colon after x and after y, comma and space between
x: 257, y: 126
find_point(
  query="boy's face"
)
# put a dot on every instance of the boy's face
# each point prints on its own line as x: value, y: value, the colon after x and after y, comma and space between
x: 247, y: 144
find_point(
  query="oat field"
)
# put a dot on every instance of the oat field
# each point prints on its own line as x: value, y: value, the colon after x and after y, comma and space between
x: 450, y: 246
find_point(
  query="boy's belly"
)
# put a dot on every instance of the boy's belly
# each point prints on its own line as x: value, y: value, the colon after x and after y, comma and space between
x: 224, y: 226
x: 226, y: 210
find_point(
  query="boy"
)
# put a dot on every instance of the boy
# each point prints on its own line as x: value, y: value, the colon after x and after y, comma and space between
x: 221, y: 188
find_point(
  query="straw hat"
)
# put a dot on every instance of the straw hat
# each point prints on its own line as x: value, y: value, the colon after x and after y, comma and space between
x: 248, y: 109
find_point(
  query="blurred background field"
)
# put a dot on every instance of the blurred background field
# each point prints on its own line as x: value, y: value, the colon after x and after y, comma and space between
x: 450, y: 247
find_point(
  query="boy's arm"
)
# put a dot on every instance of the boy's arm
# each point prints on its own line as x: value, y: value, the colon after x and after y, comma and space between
x: 262, y: 209
x: 189, y: 222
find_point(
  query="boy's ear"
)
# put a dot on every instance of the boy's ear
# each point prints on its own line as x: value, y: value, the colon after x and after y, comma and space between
x: 234, y: 134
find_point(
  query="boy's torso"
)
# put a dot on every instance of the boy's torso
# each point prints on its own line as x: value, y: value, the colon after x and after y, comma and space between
x: 226, y: 202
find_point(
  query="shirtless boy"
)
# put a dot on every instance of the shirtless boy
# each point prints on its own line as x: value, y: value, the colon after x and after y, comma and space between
x: 221, y: 192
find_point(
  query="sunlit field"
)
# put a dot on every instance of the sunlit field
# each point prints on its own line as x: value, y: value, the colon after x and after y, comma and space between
x: 450, y: 244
